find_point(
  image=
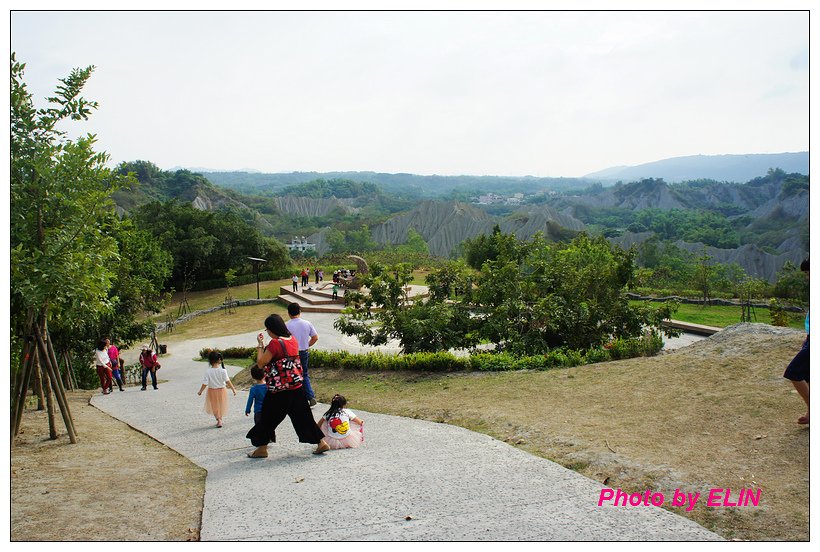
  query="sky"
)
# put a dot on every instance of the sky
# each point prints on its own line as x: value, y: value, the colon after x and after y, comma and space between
x: 542, y: 93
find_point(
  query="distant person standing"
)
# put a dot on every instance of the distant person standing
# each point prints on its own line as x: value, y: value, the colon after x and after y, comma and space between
x: 316, y: 274
x: 103, y: 364
x: 798, y: 369
x: 150, y: 365
x: 295, y: 281
x: 305, y: 333
x: 305, y: 277
x: 116, y: 365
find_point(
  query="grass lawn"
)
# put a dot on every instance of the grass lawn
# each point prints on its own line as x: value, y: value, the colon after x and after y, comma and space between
x: 722, y: 316
x: 200, y: 300
x: 219, y: 323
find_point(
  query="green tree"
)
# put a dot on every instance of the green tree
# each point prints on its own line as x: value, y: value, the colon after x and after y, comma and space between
x: 792, y: 284
x: 60, y: 196
x: 415, y: 244
x: 69, y: 251
x: 541, y: 296
x: 531, y: 298
x: 704, y: 276
x: 206, y: 243
x: 418, y: 324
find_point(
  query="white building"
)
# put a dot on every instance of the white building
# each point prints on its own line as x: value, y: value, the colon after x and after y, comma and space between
x: 300, y: 244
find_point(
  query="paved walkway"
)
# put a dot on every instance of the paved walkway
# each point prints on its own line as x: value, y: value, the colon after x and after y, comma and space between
x: 412, y: 480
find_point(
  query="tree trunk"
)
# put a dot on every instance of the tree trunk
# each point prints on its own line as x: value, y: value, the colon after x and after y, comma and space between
x: 52, y: 426
x: 29, y: 365
x: 43, y: 358
x: 38, y: 386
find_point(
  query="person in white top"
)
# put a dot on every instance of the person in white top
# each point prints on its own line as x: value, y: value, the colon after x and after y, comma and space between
x: 215, y: 380
x: 305, y: 333
x: 103, y: 364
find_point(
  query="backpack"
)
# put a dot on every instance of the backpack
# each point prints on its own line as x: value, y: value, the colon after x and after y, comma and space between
x: 285, y: 373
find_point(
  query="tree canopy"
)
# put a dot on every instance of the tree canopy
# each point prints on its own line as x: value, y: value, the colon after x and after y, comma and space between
x: 75, y: 265
x: 527, y: 298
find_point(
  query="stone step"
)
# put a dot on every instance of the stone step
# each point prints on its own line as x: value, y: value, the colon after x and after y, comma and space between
x: 307, y: 306
x: 314, y: 297
x: 321, y: 300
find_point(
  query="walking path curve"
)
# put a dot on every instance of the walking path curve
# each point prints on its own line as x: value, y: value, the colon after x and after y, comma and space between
x: 412, y: 480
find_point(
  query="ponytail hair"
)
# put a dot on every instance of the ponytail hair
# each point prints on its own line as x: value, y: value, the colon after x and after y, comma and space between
x: 214, y: 357
x: 336, y: 404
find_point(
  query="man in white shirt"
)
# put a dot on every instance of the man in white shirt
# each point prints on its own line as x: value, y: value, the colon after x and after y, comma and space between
x: 306, y: 335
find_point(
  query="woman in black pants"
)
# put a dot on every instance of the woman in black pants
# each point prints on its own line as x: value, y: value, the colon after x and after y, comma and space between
x: 277, y: 405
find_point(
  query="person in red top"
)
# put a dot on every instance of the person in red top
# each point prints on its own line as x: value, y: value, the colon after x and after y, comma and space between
x: 148, y: 361
x: 277, y: 405
x: 116, y: 365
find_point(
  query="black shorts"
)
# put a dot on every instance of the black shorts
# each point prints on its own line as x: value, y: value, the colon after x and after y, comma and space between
x: 798, y: 368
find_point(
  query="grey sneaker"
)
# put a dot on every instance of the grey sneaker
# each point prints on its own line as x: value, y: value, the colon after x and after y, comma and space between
x: 312, y: 402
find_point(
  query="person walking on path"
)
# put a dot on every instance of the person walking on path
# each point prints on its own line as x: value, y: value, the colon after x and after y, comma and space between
x: 256, y: 395
x: 103, y: 363
x: 305, y: 334
x: 215, y: 381
x: 149, y: 363
x: 290, y: 402
x: 335, y: 424
x: 116, y: 365
x: 798, y: 369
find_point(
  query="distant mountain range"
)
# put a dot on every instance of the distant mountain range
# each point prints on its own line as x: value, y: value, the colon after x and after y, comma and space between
x: 723, y: 168
x: 771, y: 208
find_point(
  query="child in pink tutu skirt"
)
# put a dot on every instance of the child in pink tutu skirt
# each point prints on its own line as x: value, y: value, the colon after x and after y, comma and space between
x: 336, y: 425
x: 216, y: 379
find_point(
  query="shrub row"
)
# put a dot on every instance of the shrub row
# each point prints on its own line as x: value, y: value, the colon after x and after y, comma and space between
x: 618, y: 349
x: 282, y: 273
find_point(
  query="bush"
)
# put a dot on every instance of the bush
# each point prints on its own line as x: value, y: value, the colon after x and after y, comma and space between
x: 419, y: 362
x: 87, y: 377
x: 779, y: 315
x: 596, y: 354
x: 648, y: 345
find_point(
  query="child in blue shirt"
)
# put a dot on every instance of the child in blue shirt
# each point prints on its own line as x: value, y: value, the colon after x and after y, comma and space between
x: 256, y: 394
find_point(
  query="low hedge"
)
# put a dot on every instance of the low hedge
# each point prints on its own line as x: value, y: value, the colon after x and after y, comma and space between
x: 283, y: 273
x: 647, y: 345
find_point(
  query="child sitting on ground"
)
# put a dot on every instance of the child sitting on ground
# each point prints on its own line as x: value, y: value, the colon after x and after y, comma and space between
x: 256, y: 394
x: 335, y: 424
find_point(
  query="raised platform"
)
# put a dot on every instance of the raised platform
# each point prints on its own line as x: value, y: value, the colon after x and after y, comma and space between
x: 312, y: 299
x: 688, y: 327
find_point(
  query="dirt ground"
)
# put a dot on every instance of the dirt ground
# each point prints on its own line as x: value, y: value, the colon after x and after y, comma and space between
x: 114, y: 484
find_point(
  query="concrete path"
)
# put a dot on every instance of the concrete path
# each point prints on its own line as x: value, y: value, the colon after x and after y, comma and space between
x: 412, y: 480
